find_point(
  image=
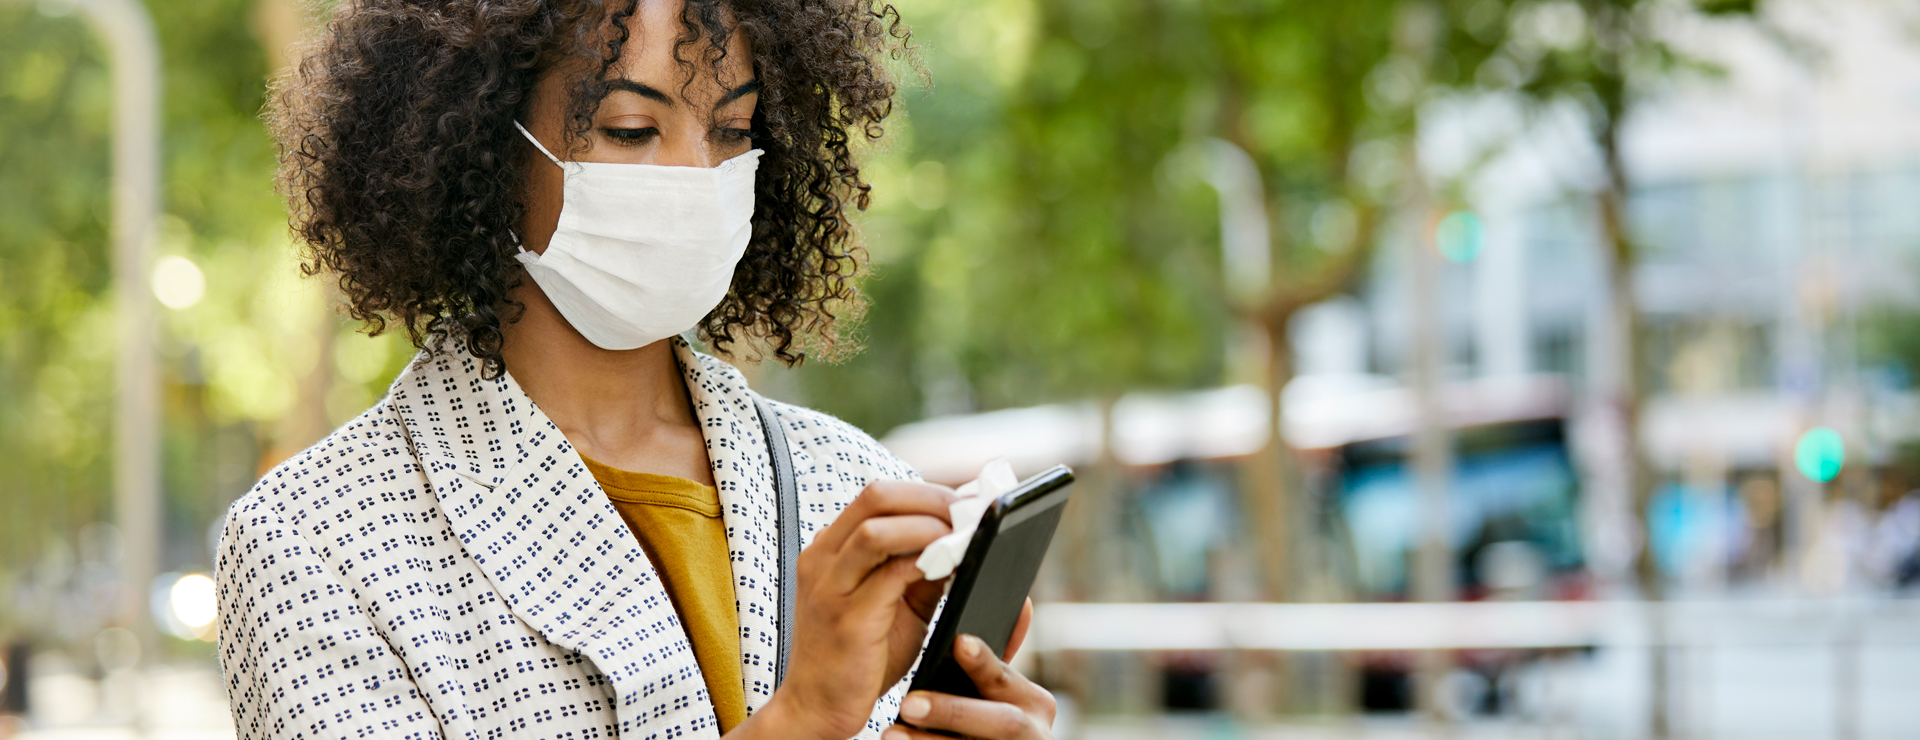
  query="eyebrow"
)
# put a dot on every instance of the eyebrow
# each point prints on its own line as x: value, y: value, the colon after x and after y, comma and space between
x: 651, y: 93
x: 752, y: 86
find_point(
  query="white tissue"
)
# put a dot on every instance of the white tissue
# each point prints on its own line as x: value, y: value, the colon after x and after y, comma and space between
x: 941, y: 557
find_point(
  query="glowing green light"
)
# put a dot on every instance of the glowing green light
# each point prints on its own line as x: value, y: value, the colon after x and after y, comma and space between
x: 1460, y: 236
x: 1819, y: 454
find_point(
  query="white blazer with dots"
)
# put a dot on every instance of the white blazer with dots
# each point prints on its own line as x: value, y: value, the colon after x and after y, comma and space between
x: 444, y: 566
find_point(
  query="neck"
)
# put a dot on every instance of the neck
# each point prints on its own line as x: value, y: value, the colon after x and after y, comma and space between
x: 625, y: 408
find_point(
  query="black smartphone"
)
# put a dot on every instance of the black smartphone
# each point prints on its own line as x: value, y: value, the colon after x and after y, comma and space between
x: 993, y: 578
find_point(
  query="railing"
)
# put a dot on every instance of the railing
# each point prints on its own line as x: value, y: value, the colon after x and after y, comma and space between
x: 1466, y: 625
x: 1804, y: 668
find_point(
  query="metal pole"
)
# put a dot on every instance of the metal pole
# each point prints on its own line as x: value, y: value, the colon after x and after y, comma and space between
x: 1432, y: 458
x: 1416, y: 35
x: 1261, y: 684
x: 1244, y: 232
x: 1246, y: 257
x: 126, y: 32
x: 134, y: 49
x: 133, y: 52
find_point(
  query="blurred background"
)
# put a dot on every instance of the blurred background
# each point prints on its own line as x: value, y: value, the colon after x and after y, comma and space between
x: 1434, y: 368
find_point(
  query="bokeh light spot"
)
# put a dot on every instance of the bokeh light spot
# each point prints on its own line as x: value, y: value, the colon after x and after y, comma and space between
x: 1460, y: 236
x: 178, y: 283
x: 927, y: 185
x: 192, y: 600
x: 1819, y: 454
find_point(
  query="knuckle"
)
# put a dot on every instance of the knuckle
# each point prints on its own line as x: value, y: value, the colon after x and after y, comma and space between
x: 1044, y: 708
x: 1045, y: 700
x: 999, y: 676
x: 881, y: 491
x: 1009, y: 722
x: 869, y: 533
x: 948, y: 711
x: 808, y: 567
x: 906, y: 493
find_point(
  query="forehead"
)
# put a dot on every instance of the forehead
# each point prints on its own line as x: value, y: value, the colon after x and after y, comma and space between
x: 658, y: 28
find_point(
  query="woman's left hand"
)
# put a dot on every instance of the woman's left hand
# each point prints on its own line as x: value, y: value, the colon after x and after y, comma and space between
x: 1014, y: 708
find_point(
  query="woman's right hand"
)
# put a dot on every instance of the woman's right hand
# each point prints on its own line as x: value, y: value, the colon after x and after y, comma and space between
x: 861, y: 611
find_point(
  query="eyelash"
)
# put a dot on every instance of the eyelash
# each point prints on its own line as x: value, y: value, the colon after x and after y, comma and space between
x: 631, y: 136
x: 638, y: 136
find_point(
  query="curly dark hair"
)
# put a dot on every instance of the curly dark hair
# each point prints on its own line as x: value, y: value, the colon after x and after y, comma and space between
x: 396, y: 127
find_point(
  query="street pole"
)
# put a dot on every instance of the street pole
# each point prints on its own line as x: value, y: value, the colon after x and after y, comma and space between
x: 134, y: 49
x: 1432, y: 458
x: 1257, y: 353
x: 126, y: 32
x: 1244, y: 232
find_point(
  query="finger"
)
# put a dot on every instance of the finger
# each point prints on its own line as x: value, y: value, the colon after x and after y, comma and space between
x: 883, y: 498
x: 1019, y: 631
x: 877, y: 541
x: 903, y: 732
x: 930, y: 710
x: 998, y: 681
x: 887, y: 584
x: 923, y: 597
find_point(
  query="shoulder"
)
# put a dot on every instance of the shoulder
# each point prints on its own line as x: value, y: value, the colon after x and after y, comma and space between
x: 821, y: 443
x: 827, y: 439
x: 368, y: 457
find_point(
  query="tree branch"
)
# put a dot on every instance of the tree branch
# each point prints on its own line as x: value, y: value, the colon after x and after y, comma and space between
x: 1328, y: 278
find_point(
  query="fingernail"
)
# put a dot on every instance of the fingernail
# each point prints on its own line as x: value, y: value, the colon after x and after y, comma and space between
x: 970, y: 647
x: 915, y: 707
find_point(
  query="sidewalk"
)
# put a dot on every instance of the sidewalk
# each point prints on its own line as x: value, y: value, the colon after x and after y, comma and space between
x: 181, y: 702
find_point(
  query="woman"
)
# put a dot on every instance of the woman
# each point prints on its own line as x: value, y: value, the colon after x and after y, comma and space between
x: 560, y: 522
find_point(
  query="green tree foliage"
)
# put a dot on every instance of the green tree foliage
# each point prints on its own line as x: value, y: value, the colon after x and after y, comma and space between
x: 53, y: 276
x: 230, y: 362
x: 1076, y: 252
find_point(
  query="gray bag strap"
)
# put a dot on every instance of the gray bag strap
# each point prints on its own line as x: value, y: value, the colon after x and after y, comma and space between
x: 789, y: 497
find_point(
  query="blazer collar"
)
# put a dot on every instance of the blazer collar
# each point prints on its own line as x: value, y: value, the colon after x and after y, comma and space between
x: 527, y: 511
x: 743, y: 471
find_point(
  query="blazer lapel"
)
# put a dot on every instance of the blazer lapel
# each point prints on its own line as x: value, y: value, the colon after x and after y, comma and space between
x: 527, y: 511
x: 737, y: 449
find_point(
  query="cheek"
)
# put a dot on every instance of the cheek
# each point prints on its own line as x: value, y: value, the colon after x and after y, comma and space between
x: 543, y: 199
x: 727, y: 147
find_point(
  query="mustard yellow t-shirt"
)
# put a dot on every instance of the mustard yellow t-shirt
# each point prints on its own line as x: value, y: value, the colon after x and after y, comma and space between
x: 678, y: 524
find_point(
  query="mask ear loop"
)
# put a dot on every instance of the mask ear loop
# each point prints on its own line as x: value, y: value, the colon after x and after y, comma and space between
x: 538, y: 145
x: 556, y: 162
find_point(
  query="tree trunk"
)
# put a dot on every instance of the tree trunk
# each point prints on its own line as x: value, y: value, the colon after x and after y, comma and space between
x: 1268, y: 495
x: 1630, y: 395
x: 1267, y: 505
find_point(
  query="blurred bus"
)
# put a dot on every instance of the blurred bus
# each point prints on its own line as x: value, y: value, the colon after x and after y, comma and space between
x: 1514, y: 502
x: 1513, y: 519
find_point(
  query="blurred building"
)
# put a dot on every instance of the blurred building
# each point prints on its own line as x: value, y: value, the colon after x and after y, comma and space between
x: 1773, y: 205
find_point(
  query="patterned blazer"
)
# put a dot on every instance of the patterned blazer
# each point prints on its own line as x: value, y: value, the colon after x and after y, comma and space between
x: 444, y: 566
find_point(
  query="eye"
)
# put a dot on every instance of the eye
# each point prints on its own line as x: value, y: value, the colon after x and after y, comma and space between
x: 630, y: 136
x: 736, y: 135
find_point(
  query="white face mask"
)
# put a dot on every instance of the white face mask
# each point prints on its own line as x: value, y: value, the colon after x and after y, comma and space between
x: 643, y: 252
